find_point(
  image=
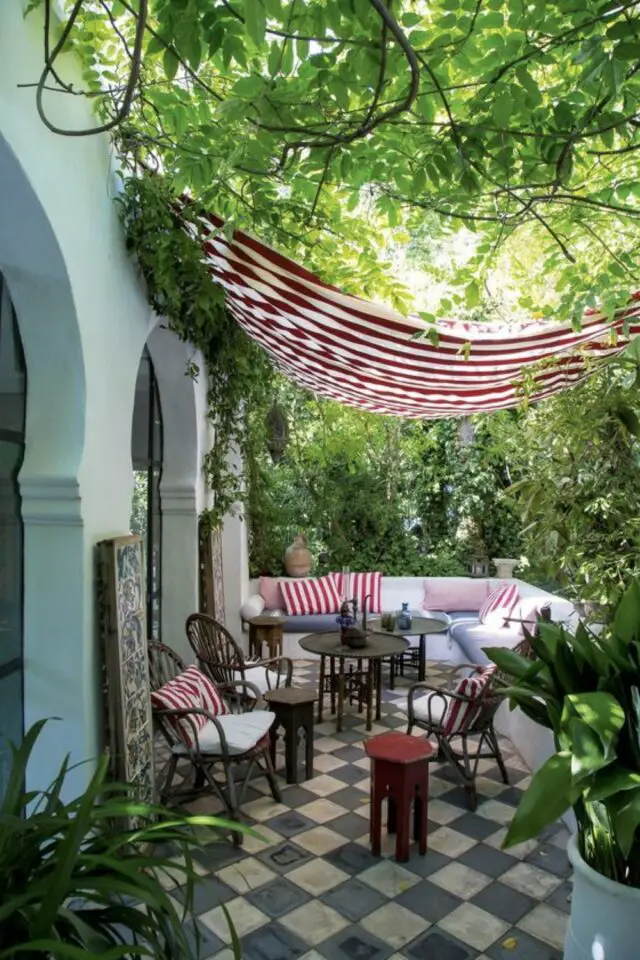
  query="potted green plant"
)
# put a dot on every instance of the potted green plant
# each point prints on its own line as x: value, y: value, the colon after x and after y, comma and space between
x: 585, y: 688
x: 75, y: 884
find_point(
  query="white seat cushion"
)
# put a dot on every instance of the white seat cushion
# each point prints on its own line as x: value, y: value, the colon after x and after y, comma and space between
x: 472, y: 637
x: 439, y: 706
x: 257, y: 676
x: 243, y: 731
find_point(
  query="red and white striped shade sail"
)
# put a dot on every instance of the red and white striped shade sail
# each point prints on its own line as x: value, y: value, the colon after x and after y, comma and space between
x: 365, y: 355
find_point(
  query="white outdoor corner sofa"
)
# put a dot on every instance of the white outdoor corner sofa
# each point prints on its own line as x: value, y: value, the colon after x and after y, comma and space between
x: 462, y: 642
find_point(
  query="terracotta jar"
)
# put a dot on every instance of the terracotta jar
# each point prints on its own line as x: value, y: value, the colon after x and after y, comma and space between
x: 297, y: 558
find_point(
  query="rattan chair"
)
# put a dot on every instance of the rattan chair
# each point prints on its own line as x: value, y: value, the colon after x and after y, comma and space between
x: 476, y: 738
x: 221, y: 658
x: 238, y: 766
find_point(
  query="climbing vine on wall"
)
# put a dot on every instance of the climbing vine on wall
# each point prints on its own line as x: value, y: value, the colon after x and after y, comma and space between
x: 180, y: 290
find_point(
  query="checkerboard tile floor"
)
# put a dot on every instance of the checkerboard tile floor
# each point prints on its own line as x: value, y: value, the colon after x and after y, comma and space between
x: 311, y: 889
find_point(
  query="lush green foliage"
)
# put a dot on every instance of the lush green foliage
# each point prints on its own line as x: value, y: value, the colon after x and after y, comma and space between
x: 318, y: 123
x: 376, y: 493
x: 585, y: 689
x: 575, y: 463
x: 74, y: 884
x: 180, y: 290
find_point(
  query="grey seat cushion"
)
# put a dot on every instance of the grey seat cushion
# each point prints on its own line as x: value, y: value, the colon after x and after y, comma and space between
x: 311, y: 623
x: 472, y: 636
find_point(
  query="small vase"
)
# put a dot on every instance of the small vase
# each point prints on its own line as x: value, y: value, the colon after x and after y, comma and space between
x: 297, y: 558
x: 403, y: 619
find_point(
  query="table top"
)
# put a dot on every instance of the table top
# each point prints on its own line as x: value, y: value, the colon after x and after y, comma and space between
x: 434, y: 623
x: 398, y: 747
x: 263, y: 621
x: 291, y: 695
x: 329, y: 645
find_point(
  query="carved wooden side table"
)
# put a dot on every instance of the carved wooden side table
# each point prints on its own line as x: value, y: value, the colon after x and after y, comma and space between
x: 293, y: 709
x: 265, y: 630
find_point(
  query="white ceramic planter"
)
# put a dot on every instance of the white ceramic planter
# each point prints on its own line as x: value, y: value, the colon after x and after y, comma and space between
x: 605, y: 915
x: 504, y: 567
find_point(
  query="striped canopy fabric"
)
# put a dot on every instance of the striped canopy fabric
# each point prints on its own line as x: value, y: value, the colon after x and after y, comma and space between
x: 366, y: 355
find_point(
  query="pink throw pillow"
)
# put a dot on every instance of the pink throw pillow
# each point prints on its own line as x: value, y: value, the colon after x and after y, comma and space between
x: 499, y: 605
x: 269, y: 588
x: 455, y: 595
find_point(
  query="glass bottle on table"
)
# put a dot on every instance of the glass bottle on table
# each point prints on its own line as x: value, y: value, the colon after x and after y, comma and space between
x: 403, y: 618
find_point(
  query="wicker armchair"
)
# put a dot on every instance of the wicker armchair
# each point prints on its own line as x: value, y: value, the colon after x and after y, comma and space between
x: 220, y: 657
x: 237, y: 742
x: 474, y: 739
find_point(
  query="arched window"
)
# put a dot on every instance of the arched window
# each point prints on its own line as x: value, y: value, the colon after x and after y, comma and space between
x: 146, y: 455
x: 13, y: 392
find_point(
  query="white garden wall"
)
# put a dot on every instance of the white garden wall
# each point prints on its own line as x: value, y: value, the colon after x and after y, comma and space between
x: 84, y: 321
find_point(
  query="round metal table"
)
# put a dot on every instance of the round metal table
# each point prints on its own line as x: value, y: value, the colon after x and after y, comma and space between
x: 420, y: 627
x: 380, y: 646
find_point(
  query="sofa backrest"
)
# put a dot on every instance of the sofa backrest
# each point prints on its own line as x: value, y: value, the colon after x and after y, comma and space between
x: 399, y: 590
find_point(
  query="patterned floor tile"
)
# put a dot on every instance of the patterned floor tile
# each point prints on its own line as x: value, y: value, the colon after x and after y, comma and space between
x: 309, y: 888
x: 394, y: 924
x: 519, y: 945
x: 436, y: 944
x: 488, y: 860
x: 355, y: 943
x: 354, y: 899
x: 474, y: 926
x: 246, y: 875
x: 285, y: 857
x: 450, y: 842
x: 463, y: 881
x: 353, y: 859
x: 531, y: 880
x: 504, y: 902
x: 314, y: 922
x: 279, y: 897
x: 318, y: 876
x: 547, y: 924
x: 320, y: 840
x: 244, y: 916
x: 271, y: 942
x: 289, y: 823
x: 207, y: 894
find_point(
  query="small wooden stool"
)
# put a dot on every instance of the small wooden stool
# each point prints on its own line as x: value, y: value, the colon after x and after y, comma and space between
x: 265, y: 630
x: 293, y: 710
x: 399, y: 772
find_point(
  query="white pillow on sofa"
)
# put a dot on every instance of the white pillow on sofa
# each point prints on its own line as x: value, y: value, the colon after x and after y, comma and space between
x: 252, y: 607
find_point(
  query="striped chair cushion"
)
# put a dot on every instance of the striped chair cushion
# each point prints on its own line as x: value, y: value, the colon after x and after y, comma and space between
x: 360, y: 586
x: 310, y: 596
x: 191, y: 689
x: 499, y: 605
x: 210, y: 697
x: 461, y: 714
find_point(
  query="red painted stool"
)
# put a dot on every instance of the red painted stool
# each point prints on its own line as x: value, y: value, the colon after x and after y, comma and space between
x: 399, y: 772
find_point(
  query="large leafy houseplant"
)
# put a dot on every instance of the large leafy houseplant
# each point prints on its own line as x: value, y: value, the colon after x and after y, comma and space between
x: 585, y: 688
x: 76, y: 884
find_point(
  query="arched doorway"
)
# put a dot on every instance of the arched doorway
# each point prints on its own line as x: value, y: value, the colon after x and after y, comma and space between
x: 12, y: 432
x: 146, y: 457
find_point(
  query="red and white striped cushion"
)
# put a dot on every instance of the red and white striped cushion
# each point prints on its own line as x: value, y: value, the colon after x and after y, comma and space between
x: 500, y: 604
x: 210, y: 697
x: 180, y: 695
x: 310, y: 596
x: 362, y: 585
x: 461, y: 714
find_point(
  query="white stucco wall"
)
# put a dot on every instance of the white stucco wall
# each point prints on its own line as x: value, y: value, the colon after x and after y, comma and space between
x: 84, y: 320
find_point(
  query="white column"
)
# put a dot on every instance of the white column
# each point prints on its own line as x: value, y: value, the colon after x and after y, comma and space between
x: 61, y: 661
x: 180, y: 564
